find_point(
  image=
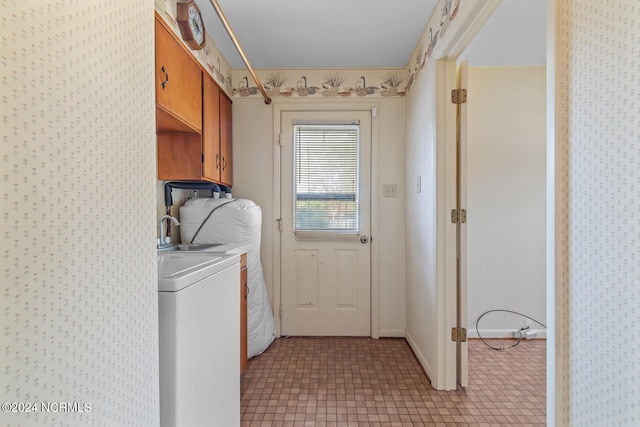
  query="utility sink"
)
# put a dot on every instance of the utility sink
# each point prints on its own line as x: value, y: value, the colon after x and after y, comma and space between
x: 191, y: 247
x: 180, y: 270
x: 175, y: 265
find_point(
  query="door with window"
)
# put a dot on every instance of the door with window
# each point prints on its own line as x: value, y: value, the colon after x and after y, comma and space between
x: 325, y: 219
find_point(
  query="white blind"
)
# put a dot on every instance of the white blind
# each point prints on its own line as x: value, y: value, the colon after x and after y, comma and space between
x: 326, y: 181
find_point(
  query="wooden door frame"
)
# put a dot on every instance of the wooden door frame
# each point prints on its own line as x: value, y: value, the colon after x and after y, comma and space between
x: 278, y: 109
x: 447, y: 184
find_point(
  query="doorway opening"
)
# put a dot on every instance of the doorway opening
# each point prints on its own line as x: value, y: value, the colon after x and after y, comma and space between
x: 504, y: 170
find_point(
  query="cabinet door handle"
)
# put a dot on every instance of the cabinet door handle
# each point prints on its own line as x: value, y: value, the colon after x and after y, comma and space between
x: 217, y: 160
x: 166, y: 78
x: 224, y: 163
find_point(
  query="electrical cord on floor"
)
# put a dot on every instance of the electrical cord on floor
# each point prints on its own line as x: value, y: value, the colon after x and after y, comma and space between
x: 520, y: 331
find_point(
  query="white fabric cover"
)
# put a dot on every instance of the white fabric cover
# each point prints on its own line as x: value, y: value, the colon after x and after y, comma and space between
x: 237, y: 222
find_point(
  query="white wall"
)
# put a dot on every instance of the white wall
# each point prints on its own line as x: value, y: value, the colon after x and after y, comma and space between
x: 430, y: 130
x: 506, y: 193
x: 421, y: 219
x: 598, y: 246
x: 79, y: 281
x: 254, y: 177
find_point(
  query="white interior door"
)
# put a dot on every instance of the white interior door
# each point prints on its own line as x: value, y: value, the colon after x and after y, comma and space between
x: 325, y: 220
x: 461, y: 137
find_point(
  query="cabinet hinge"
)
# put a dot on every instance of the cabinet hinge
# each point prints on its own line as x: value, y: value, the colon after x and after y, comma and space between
x: 279, y: 220
x: 459, y: 334
x: 280, y: 312
x: 458, y: 216
x: 202, y: 157
x: 459, y: 96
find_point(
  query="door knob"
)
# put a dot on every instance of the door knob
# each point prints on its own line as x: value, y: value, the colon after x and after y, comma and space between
x: 364, y: 240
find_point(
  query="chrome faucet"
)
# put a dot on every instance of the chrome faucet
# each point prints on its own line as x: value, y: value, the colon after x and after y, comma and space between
x: 163, y: 241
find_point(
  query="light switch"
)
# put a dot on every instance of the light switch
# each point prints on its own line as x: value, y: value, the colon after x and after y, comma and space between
x: 390, y: 190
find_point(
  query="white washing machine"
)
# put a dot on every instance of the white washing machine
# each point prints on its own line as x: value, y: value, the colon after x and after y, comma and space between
x: 199, y: 322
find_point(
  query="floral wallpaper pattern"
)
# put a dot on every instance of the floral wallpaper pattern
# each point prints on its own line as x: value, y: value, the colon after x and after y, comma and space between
x: 79, y: 271
x: 598, y: 157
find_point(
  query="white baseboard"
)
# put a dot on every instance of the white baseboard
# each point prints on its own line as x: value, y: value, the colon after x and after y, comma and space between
x: 391, y: 333
x: 502, y: 333
x: 421, y: 359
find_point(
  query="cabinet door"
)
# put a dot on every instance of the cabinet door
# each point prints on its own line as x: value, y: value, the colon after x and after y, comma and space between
x: 178, y: 85
x: 179, y: 156
x: 226, y: 176
x: 210, y: 129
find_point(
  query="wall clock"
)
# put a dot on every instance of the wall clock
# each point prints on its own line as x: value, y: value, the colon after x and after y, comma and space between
x: 191, y: 26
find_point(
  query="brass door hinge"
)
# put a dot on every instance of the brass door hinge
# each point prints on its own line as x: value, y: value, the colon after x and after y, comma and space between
x: 279, y: 224
x: 459, y: 334
x: 458, y: 216
x: 459, y: 96
x: 280, y: 312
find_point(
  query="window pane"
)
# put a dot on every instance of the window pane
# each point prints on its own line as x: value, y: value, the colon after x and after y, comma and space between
x: 326, y: 177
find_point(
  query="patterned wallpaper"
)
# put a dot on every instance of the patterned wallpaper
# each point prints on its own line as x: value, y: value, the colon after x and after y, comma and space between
x: 79, y: 283
x: 253, y: 178
x: 598, y: 88
x: 391, y: 219
x: 506, y: 193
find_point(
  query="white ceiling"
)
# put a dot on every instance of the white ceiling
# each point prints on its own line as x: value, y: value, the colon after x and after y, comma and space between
x: 320, y: 34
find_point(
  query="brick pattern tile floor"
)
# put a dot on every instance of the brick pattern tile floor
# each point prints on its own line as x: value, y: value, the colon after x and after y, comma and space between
x: 362, y: 382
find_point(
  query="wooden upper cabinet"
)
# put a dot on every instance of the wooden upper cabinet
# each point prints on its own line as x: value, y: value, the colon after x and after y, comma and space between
x: 216, y: 134
x: 212, y: 160
x: 193, y: 116
x: 178, y: 85
x: 226, y: 142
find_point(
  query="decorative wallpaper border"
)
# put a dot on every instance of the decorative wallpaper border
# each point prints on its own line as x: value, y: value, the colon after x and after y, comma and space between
x: 322, y: 83
x: 435, y: 31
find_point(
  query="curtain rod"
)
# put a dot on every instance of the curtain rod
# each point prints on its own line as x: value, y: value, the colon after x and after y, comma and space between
x: 227, y: 27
